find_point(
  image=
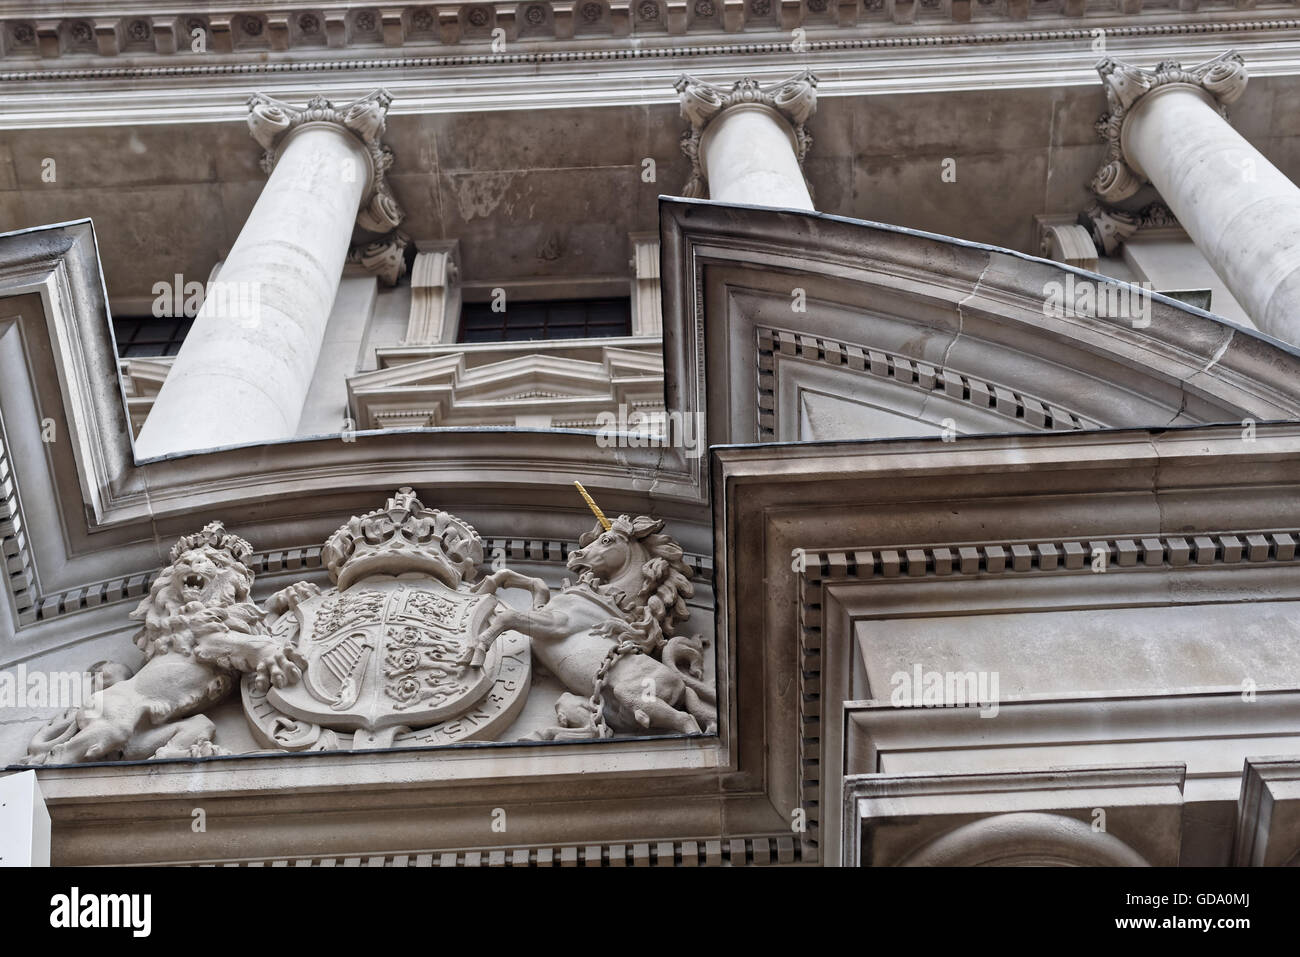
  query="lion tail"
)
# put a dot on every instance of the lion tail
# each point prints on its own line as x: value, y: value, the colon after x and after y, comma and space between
x: 685, y: 655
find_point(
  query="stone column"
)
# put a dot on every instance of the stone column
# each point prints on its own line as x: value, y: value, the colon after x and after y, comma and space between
x: 244, y: 370
x: 1167, y: 126
x: 747, y: 144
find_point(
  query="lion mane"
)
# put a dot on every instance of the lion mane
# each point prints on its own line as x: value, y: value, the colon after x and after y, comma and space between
x: 172, y: 624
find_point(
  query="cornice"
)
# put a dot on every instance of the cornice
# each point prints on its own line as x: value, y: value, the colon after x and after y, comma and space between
x: 618, y: 72
x: 819, y: 40
x: 1060, y: 556
x: 94, y: 30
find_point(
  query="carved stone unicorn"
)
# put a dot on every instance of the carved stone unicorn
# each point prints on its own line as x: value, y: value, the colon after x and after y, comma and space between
x: 609, y: 639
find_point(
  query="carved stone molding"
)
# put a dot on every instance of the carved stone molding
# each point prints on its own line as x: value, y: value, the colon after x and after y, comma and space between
x: 982, y: 394
x: 1067, y: 243
x: 385, y: 258
x: 271, y: 122
x: 908, y: 565
x: 1222, y: 80
x: 794, y: 99
x: 1173, y: 551
x: 435, y: 293
x: 27, y: 31
x: 1110, y: 228
x: 708, y: 852
x: 850, y: 51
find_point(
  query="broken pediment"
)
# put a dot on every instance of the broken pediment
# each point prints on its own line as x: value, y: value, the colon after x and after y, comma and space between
x: 512, y: 384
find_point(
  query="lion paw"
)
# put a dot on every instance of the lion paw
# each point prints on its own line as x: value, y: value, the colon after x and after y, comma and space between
x: 198, y: 749
x: 206, y: 749
x: 289, y: 598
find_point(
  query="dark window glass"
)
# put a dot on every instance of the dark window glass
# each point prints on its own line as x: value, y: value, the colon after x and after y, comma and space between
x: 147, y: 336
x: 554, y: 319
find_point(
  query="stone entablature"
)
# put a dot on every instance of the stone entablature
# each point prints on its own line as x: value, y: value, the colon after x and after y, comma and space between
x: 707, y: 852
x: 101, y: 30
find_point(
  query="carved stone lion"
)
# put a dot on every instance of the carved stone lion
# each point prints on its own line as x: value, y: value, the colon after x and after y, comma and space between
x: 201, y: 630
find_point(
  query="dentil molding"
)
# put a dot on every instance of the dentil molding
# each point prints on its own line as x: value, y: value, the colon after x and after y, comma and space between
x: 91, y: 29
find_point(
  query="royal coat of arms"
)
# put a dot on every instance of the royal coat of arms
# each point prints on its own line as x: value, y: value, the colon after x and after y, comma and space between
x: 411, y: 645
x: 385, y: 654
x: 390, y: 649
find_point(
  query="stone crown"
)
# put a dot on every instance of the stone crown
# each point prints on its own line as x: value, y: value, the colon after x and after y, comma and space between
x: 404, y: 536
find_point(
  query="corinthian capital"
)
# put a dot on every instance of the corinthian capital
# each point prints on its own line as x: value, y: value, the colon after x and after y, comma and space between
x: 271, y: 121
x: 1222, y: 80
x: 794, y: 99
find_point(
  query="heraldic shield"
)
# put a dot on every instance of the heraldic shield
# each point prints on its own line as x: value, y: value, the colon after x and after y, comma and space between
x: 383, y: 653
x: 385, y: 646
